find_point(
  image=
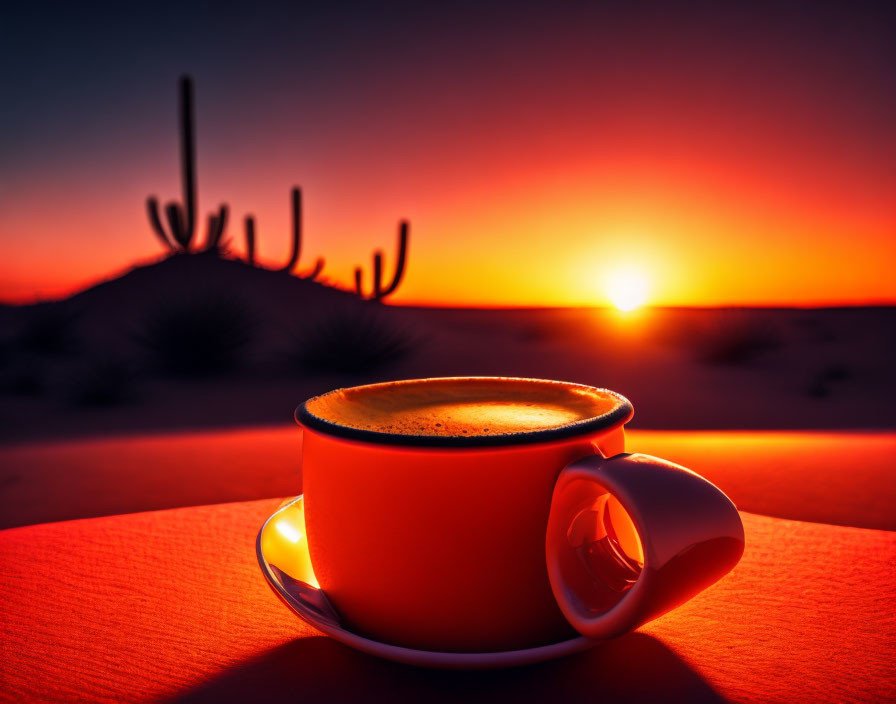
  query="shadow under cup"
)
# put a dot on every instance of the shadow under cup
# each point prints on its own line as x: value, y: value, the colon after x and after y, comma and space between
x: 430, y: 534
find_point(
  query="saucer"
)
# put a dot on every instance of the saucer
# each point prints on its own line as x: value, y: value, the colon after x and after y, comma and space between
x: 282, y: 552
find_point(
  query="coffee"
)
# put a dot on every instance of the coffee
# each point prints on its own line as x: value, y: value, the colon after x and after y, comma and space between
x: 462, y: 407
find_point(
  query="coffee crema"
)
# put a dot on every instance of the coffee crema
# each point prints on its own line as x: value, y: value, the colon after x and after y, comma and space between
x: 463, y: 407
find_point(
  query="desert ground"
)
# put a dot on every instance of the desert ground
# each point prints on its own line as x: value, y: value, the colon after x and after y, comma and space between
x: 197, y: 342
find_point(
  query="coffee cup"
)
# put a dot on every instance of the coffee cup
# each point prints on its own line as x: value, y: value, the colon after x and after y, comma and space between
x: 484, y: 514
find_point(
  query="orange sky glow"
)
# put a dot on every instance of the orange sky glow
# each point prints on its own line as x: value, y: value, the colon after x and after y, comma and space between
x: 765, y: 180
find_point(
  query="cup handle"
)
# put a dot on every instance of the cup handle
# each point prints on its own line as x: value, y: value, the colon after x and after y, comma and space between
x: 632, y: 537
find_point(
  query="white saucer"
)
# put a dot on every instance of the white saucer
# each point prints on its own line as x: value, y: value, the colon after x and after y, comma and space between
x: 282, y: 552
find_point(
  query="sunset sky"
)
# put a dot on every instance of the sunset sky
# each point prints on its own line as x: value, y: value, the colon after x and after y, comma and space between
x: 730, y: 154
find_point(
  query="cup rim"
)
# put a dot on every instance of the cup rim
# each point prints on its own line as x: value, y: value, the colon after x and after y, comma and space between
x: 619, y: 415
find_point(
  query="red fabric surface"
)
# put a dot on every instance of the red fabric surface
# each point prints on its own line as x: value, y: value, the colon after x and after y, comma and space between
x: 171, y: 605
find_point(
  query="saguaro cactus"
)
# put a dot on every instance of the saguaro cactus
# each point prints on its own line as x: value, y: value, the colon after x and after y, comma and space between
x: 295, y: 253
x: 182, y: 218
x: 296, y: 197
x: 296, y: 201
x: 378, y: 293
x: 315, y: 270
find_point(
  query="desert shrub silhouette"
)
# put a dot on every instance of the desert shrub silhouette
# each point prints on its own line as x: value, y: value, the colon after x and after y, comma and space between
x: 826, y: 379
x: 721, y: 337
x: 735, y: 337
x: 351, y: 340
x: 107, y: 381
x: 202, y: 336
x: 48, y: 329
x: 814, y: 329
x: 25, y: 379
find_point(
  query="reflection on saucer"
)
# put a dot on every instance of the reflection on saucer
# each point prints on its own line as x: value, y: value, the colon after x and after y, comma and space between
x: 282, y: 551
x: 285, y: 545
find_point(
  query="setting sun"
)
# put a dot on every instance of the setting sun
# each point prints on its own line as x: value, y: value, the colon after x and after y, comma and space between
x: 627, y: 289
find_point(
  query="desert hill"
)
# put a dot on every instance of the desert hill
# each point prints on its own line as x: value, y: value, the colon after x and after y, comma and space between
x: 204, y: 341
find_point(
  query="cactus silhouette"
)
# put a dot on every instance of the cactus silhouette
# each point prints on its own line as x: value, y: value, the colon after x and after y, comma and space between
x: 296, y: 240
x: 296, y: 201
x: 378, y: 293
x: 250, y: 240
x: 315, y: 270
x: 182, y: 218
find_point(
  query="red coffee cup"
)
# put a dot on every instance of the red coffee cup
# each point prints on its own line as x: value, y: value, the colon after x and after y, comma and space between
x: 461, y: 542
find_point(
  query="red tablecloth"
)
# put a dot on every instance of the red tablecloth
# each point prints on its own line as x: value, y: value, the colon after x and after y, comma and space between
x: 171, y: 604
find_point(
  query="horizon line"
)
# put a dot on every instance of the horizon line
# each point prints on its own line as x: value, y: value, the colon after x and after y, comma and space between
x: 819, y: 304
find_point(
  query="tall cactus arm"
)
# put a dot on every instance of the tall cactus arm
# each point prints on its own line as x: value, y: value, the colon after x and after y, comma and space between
x: 315, y: 271
x: 152, y: 210
x: 215, y: 230
x: 250, y: 240
x: 377, y: 275
x: 182, y: 218
x: 379, y: 293
x: 296, y: 230
x: 403, y: 234
x: 187, y: 159
x: 223, y: 213
x: 176, y: 225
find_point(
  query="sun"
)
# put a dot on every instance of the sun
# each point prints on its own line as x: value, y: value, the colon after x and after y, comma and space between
x: 627, y: 289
